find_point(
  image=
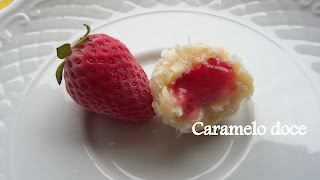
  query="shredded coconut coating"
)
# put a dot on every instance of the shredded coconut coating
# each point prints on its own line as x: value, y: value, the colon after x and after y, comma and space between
x: 174, y: 63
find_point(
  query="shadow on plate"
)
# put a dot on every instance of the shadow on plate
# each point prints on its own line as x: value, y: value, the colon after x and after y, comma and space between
x: 103, y: 132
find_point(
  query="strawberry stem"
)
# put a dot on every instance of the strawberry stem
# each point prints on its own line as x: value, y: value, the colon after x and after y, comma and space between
x: 84, y: 39
x: 88, y: 29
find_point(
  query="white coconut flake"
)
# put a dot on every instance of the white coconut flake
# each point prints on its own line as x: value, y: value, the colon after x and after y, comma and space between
x: 178, y: 47
x: 179, y: 134
x: 154, y: 131
x: 111, y: 143
x: 164, y: 53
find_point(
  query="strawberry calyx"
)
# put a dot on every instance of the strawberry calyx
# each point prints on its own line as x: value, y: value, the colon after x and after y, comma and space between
x: 64, y: 51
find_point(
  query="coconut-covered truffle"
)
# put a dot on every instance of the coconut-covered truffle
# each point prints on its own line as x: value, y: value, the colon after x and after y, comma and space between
x: 198, y: 83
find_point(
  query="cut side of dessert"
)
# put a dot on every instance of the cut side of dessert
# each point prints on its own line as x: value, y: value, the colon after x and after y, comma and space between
x: 198, y: 83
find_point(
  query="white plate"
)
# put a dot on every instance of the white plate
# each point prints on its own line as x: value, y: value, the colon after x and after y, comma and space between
x: 45, y: 135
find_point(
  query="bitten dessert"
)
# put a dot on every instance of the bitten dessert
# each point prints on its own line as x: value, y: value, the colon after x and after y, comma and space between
x: 198, y: 83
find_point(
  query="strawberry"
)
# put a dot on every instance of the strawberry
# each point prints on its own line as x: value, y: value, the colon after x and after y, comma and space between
x: 203, y: 84
x: 103, y: 76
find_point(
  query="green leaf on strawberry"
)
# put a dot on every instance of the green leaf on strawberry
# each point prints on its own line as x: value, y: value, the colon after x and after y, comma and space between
x: 59, y: 72
x: 63, y: 51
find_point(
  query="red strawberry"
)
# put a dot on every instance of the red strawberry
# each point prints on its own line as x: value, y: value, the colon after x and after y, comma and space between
x: 202, y: 84
x: 103, y: 76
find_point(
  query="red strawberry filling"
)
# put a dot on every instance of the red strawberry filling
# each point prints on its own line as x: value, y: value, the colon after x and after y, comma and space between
x: 203, y: 84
